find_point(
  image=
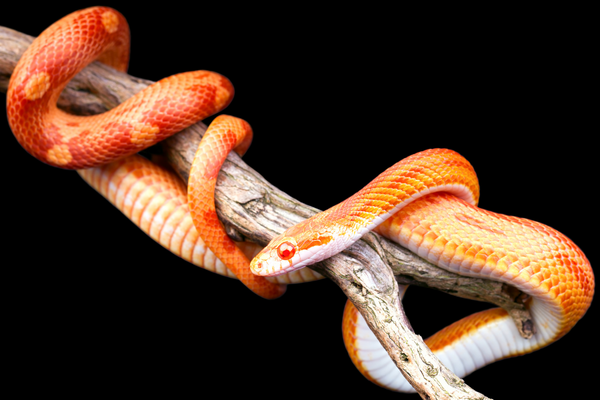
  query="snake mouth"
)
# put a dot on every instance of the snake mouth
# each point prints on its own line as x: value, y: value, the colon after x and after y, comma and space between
x: 274, y: 266
x: 270, y: 266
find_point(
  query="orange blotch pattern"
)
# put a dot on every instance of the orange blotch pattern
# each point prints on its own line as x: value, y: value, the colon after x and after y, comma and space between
x: 64, y: 49
x: 37, y: 85
x: 110, y: 21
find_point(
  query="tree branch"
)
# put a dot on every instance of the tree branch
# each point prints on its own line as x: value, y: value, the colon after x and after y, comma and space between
x: 252, y: 209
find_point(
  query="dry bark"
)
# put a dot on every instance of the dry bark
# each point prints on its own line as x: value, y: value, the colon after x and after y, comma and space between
x: 252, y: 209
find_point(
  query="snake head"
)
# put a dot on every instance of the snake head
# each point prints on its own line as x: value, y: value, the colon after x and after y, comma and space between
x: 278, y: 257
x: 295, y: 249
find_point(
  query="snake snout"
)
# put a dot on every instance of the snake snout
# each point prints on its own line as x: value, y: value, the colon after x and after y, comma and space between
x: 259, y: 263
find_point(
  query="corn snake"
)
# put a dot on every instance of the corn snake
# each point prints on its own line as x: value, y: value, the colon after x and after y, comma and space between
x: 427, y: 203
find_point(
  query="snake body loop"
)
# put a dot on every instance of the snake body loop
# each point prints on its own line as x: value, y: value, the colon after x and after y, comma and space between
x: 427, y: 203
x: 74, y: 142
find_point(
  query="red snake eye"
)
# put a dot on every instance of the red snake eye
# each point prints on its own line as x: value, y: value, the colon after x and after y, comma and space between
x: 286, y: 250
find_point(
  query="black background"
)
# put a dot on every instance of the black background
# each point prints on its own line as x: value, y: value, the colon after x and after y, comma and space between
x: 333, y: 100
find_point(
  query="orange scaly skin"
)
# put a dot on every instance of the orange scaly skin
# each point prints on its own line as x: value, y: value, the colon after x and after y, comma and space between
x: 428, y: 204
x: 528, y: 255
x: 224, y: 134
x: 154, y: 198
x: 344, y: 223
x: 74, y: 142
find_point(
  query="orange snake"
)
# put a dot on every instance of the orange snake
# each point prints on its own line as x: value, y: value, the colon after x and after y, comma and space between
x: 427, y: 203
x: 66, y: 149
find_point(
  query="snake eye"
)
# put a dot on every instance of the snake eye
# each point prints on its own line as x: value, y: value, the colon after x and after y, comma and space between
x: 286, y: 250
